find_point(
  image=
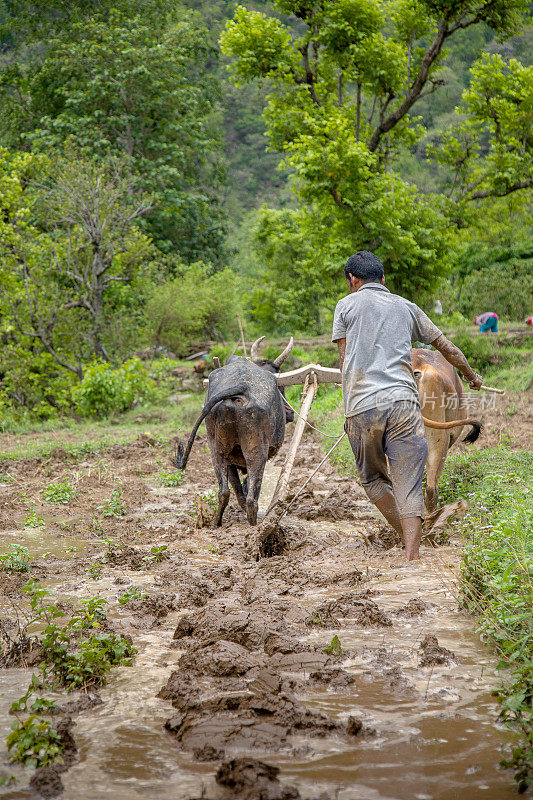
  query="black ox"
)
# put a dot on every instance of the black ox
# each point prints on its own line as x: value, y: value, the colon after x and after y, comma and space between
x: 245, y: 419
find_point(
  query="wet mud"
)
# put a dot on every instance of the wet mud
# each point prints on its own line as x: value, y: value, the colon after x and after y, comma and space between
x: 334, y: 670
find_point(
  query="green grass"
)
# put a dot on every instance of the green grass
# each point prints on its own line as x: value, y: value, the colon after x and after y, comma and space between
x: 512, y: 379
x: 39, y: 439
x: 497, y: 576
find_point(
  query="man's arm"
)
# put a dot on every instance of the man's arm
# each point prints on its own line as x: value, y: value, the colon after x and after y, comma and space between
x: 455, y: 357
x: 341, y: 344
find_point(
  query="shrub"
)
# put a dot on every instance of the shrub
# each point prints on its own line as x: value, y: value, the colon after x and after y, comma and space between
x: 222, y: 352
x: 105, y: 389
x: 197, y: 305
x: 497, y: 576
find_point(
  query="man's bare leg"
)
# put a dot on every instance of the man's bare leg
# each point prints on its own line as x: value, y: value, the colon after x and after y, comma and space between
x: 389, y: 509
x: 412, y: 533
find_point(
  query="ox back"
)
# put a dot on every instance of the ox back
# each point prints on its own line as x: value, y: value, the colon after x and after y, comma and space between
x: 245, y: 421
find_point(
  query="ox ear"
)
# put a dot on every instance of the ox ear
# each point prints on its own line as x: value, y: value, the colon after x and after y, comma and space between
x: 282, y: 356
x: 254, y: 352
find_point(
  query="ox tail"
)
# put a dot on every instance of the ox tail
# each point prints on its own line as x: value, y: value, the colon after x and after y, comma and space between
x: 182, y: 455
x: 456, y: 423
x: 477, y: 427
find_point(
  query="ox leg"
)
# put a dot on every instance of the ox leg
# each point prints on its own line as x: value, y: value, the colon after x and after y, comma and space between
x: 438, y: 448
x: 221, y: 471
x: 234, y: 479
x: 256, y: 456
x: 255, y: 478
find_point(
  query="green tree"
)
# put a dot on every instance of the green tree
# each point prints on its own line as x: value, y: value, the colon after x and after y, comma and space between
x: 127, y: 82
x: 73, y: 269
x: 347, y: 76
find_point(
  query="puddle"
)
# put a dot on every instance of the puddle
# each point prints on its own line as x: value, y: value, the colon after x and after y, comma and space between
x: 41, y: 542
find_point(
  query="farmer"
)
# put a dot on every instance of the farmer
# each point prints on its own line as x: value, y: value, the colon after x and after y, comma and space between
x: 374, y: 330
x: 529, y: 321
x: 488, y: 322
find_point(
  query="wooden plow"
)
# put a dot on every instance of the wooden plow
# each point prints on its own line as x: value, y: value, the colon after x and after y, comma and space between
x: 270, y: 539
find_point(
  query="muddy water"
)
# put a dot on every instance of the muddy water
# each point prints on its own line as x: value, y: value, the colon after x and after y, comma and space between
x: 431, y: 731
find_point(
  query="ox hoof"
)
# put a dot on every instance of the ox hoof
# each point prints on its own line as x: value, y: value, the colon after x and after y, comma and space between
x: 251, y: 513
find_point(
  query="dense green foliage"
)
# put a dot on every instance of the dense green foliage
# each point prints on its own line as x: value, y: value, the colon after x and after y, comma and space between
x: 346, y: 77
x: 497, y: 576
x: 141, y: 196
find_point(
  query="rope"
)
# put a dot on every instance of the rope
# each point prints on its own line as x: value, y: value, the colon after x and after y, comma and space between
x: 302, y: 487
x: 323, y: 433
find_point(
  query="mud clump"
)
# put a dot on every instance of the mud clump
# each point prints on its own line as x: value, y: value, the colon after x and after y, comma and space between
x: 332, y: 678
x: 222, y: 622
x: 85, y: 702
x: 208, y: 753
x: 23, y: 651
x: 354, y: 726
x: 46, y: 782
x: 180, y: 689
x: 125, y: 556
x: 155, y: 606
x: 414, y: 608
x: 222, y: 659
x: 363, y: 611
x: 261, y: 716
x: 271, y: 541
x: 432, y: 654
x: 250, y: 779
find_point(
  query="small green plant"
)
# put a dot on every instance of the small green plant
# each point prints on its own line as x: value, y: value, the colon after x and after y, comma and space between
x: 334, y: 648
x: 5, y: 478
x: 134, y: 593
x: 114, y: 507
x: 60, y: 493
x: 18, y: 560
x: 214, y: 548
x: 70, y: 661
x: 35, y: 742
x: 96, y: 527
x: 94, y: 571
x: 157, y: 554
x: 71, y: 549
x: 91, y: 615
x: 212, y: 499
x: 33, y: 520
x: 171, y: 478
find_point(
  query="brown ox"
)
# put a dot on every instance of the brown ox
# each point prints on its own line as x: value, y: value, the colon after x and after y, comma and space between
x: 444, y: 411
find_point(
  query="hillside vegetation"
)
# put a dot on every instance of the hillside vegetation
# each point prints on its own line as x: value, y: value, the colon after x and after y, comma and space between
x: 164, y: 166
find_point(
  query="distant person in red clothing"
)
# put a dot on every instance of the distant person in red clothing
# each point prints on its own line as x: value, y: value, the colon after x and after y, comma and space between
x: 529, y: 321
x: 488, y: 322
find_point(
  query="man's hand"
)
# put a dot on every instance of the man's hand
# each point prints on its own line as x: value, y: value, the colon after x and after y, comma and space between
x: 476, y: 383
x: 454, y: 356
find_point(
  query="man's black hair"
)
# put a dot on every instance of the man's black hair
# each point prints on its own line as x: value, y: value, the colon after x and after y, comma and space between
x: 365, y: 266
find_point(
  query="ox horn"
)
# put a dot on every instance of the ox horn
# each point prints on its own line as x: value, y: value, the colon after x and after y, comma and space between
x: 282, y: 356
x: 254, y: 351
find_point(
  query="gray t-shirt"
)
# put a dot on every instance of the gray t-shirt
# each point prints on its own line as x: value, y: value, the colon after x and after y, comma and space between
x: 379, y: 328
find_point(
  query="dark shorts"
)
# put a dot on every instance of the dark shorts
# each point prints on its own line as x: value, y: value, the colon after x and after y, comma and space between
x: 394, y: 433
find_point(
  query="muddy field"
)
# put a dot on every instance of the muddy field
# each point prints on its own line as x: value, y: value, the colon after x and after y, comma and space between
x: 231, y: 693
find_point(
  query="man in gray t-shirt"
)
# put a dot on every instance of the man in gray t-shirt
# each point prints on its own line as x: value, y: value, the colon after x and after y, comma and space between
x: 374, y: 331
